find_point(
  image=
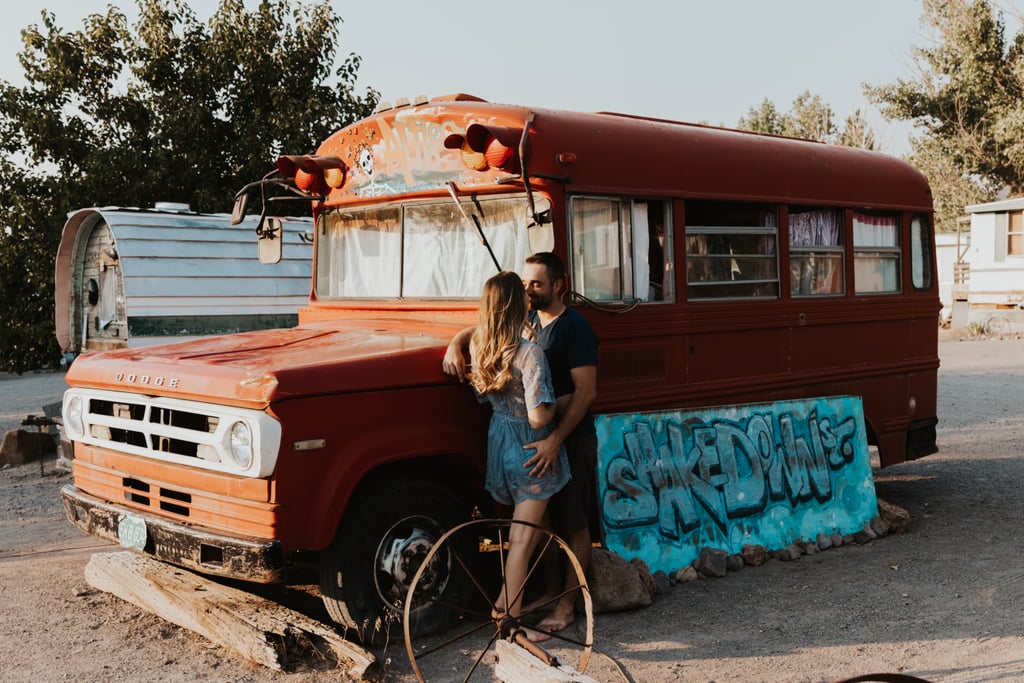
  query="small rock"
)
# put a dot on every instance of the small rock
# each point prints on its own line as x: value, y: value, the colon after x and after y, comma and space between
x: 897, y: 518
x: 754, y: 555
x: 687, y: 573
x: 711, y: 562
x: 662, y: 583
x: 790, y: 552
x: 809, y: 548
x: 734, y: 562
x: 879, y: 526
x: 824, y: 541
x: 837, y: 540
x: 865, y: 535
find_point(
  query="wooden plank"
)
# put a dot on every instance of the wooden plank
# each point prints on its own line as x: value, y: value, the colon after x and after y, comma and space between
x: 260, y: 630
x: 516, y: 665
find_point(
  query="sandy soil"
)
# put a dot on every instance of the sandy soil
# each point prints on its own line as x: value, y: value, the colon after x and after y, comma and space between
x: 942, y: 601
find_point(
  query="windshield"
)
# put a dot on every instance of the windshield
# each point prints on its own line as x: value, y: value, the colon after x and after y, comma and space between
x: 423, y: 249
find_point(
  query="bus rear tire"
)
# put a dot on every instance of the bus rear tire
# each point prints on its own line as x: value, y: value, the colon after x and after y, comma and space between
x: 366, y: 572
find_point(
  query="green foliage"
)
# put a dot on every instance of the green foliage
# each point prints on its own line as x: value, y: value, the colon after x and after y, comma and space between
x: 809, y: 118
x: 967, y: 100
x: 169, y: 109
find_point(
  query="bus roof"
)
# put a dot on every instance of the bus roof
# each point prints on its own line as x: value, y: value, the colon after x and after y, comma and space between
x: 402, y: 151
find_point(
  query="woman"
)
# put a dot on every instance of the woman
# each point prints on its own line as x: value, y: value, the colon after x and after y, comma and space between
x: 512, y: 374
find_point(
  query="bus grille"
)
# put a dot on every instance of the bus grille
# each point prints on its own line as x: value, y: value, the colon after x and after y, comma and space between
x: 174, y: 430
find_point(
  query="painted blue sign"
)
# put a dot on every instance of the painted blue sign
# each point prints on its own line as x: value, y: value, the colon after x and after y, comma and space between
x: 771, y: 474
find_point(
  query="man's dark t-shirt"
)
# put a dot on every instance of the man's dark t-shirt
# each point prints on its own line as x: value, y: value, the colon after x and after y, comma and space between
x: 568, y: 342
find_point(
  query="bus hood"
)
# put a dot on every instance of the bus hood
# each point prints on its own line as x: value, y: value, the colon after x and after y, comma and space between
x: 258, y: 368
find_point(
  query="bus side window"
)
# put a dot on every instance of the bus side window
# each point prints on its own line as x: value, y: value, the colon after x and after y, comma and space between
x: 649, y: 227
x: 815, y: 251
x: 731, y: 250
x: 921, y: 251
x: 876, y: 253
x: 620, y: 249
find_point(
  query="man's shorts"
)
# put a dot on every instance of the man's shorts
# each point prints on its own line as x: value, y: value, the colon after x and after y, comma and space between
x: 574, y: 506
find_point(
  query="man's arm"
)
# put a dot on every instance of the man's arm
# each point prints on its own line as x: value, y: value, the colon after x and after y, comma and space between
x: 456, y: 356
x: 584, y: 392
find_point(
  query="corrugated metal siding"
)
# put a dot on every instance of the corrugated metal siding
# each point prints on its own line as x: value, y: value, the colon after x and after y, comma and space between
x: 197, y: 262
x: 177, y: 274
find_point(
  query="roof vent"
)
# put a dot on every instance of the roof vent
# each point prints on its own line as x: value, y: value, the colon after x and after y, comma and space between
x: 173, y: 207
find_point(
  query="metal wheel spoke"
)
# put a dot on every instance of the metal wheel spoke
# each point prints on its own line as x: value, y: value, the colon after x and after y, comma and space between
x: 487, y: 537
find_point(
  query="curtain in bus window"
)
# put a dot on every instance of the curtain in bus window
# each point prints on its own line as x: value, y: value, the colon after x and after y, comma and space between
x: 920, y: 253
x: 444, y: 257
x: 815, y: 228
x: 596, y: 259
x: 876, y: 253
x: 641, y: 252
x: 359, y: 254
x: 816, y: 254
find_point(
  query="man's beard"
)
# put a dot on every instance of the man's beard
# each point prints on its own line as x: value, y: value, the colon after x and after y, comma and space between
x: 538, y: 302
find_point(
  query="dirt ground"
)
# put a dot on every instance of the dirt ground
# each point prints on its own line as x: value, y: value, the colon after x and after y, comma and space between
x: 943, y: 601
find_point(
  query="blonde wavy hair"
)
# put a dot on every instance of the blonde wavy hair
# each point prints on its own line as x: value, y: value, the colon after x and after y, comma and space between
x: 501, y: 326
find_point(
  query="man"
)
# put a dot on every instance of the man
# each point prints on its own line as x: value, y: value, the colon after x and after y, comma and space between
x: 571, y: 349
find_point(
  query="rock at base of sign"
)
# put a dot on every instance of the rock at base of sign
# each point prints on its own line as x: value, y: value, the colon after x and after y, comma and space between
x: 754, y: 555
x: 896, y: 517
x: 712, y: 562
x: 21, y: 446
x: 617, y: 584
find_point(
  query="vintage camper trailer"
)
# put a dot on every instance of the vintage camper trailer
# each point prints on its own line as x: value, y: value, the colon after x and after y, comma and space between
x: 989, y: 292
x: 130, y: 277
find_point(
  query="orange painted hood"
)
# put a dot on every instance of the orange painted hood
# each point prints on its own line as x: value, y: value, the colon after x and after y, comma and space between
x: 259, y: 368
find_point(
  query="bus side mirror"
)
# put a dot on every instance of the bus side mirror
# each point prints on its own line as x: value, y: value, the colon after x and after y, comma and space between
x: 539, y: 230
x: 238, y: 212
x: 270, y: 242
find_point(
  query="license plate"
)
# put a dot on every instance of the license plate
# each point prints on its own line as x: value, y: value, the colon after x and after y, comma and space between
x: 131, y: 532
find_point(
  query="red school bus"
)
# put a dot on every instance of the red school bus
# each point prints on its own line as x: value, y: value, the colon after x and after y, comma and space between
x: 716, y: 266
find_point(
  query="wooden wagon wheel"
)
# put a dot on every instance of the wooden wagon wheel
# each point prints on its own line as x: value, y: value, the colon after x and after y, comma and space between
x: 477, y: 550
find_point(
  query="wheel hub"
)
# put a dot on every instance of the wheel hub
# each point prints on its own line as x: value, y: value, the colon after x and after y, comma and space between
x: 399, y: 557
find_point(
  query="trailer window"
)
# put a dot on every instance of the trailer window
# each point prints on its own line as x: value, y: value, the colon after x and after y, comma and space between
x: 815, y: 251
x: 731, y: 250
x: 1015, y: 234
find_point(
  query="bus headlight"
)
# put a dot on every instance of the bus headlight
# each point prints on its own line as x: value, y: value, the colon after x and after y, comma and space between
x: 241, y: 445
x: 73, y: 423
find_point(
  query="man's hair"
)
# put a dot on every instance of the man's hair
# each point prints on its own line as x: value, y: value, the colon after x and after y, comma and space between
x: 551, y: 262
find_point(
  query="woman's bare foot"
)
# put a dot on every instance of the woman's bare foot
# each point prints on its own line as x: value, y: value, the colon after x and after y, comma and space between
x: 536, y: 636
x: 560, y: 618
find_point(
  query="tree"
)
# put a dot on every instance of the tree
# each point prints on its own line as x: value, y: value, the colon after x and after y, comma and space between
x: 763, y: 119
x: 170, y: 109
x: 809, y: 118
x: 967, y: 100
x: 857, y: 133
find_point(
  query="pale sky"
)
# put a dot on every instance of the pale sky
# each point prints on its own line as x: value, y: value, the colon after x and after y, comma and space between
x: 688, y: 60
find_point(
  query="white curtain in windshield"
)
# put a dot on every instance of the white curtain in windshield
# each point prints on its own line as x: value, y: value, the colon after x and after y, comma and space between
x: 433, y: 252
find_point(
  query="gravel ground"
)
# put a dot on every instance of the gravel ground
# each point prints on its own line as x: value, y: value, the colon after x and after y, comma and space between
x: 942, y: 601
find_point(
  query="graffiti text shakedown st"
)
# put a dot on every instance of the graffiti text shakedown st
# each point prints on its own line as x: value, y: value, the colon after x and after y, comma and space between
x: 765, y: 474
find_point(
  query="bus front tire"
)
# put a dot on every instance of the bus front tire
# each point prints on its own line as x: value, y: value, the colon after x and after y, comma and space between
x: 386, y: 533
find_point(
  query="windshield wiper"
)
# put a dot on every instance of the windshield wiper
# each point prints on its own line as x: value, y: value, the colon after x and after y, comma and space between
x: 453, y: 191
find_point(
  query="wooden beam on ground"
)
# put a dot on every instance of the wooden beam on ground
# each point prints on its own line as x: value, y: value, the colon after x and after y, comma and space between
x: 516, y: 665
x: 260, y: 630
